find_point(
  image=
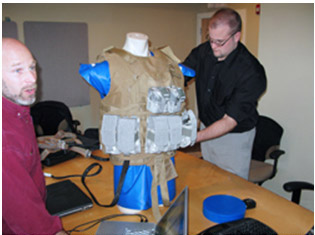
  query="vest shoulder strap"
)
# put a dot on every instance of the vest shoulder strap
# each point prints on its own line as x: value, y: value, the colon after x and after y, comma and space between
x: 169, y: 52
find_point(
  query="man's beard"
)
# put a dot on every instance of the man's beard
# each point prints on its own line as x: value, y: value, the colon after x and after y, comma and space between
x: 24, y: 102
x: 19, y: 99
x: 219, y: 55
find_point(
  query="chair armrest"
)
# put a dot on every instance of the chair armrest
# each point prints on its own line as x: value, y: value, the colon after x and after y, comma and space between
x: 297, y: 185
x: 76, y: 123
x: 296, y: 188
x: 276, y: 154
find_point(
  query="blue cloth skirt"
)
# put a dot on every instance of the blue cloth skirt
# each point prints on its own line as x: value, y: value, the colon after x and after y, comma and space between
x: 136, y: 190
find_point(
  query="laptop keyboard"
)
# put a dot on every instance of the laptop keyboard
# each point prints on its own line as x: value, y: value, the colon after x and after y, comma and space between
x: 244, y: 226
x: 138, y: 232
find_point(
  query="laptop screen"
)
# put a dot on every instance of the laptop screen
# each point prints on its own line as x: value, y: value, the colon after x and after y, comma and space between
x: 174, y: 221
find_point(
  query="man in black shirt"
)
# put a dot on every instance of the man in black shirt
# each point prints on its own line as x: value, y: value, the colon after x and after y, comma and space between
x: 229, y: 82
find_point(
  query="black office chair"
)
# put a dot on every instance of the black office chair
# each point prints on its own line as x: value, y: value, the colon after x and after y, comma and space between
x: 266, y: 146
x: 51, y: 116
x: 296, y: 187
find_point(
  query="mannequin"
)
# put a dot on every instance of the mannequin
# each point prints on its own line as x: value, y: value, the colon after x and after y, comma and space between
x: 124, y: 92
x: 137, y: 44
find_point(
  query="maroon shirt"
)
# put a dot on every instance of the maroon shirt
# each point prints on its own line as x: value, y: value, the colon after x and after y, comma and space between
x: 23, y: 183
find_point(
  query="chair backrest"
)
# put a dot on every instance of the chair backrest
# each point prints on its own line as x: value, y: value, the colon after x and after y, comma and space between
x: 51, y: 116
x: 268, y: 135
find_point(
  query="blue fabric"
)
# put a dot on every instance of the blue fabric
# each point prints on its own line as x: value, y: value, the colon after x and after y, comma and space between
x: 187, y: 71
x: 136, y: 191
x: 98, y: 76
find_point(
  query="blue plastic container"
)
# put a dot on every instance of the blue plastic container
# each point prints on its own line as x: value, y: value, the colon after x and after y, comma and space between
x: 223, y: 208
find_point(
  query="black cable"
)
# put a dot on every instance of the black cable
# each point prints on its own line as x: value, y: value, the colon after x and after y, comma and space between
x: 92, y: 223
x: 119, y: 187
x: 84, y: 174
x: 100, y: 158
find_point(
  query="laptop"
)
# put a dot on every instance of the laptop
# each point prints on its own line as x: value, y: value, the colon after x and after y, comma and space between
x: 65, y: 198
x: 173, y: 222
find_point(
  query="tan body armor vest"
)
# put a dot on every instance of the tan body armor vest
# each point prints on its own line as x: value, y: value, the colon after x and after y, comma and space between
x: 131, y: 79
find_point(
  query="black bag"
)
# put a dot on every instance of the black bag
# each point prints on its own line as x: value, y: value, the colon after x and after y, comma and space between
x: 51, y: 116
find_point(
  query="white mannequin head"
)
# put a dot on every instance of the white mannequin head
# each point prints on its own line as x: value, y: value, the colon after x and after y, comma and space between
x: 137, y: 44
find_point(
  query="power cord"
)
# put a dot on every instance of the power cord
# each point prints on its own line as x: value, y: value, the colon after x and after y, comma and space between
x: 92, y: 223
x: 85, y: 174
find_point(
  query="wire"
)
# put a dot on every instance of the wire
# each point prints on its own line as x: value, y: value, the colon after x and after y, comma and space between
x: 99, y: 158
x: 92, y: 223
x: 72, y: 176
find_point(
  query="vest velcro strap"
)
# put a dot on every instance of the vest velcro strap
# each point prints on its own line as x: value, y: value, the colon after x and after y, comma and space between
x: 61, y: 141
x: 58, y: 141
x: 44, y: 154
x: 84, y: 152
x: 162, y: 171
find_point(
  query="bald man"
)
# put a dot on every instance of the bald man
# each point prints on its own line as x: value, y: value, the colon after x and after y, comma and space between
x: 23, y: 183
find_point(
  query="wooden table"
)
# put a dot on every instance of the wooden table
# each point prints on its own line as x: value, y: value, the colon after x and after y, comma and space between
x: 203, y: 180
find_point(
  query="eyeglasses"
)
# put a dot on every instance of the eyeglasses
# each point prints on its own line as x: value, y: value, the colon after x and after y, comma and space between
x: 221, y: 43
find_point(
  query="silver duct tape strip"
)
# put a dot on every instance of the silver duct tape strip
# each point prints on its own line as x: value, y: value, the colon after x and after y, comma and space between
x: 120, y: 135
x: 165, y: 99
x: 167, y: 133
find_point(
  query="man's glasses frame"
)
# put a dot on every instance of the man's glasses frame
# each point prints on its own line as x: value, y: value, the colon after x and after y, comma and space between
x: 221, y: 43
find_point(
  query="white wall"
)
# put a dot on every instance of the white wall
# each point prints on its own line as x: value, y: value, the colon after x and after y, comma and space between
x: 286, y: 49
